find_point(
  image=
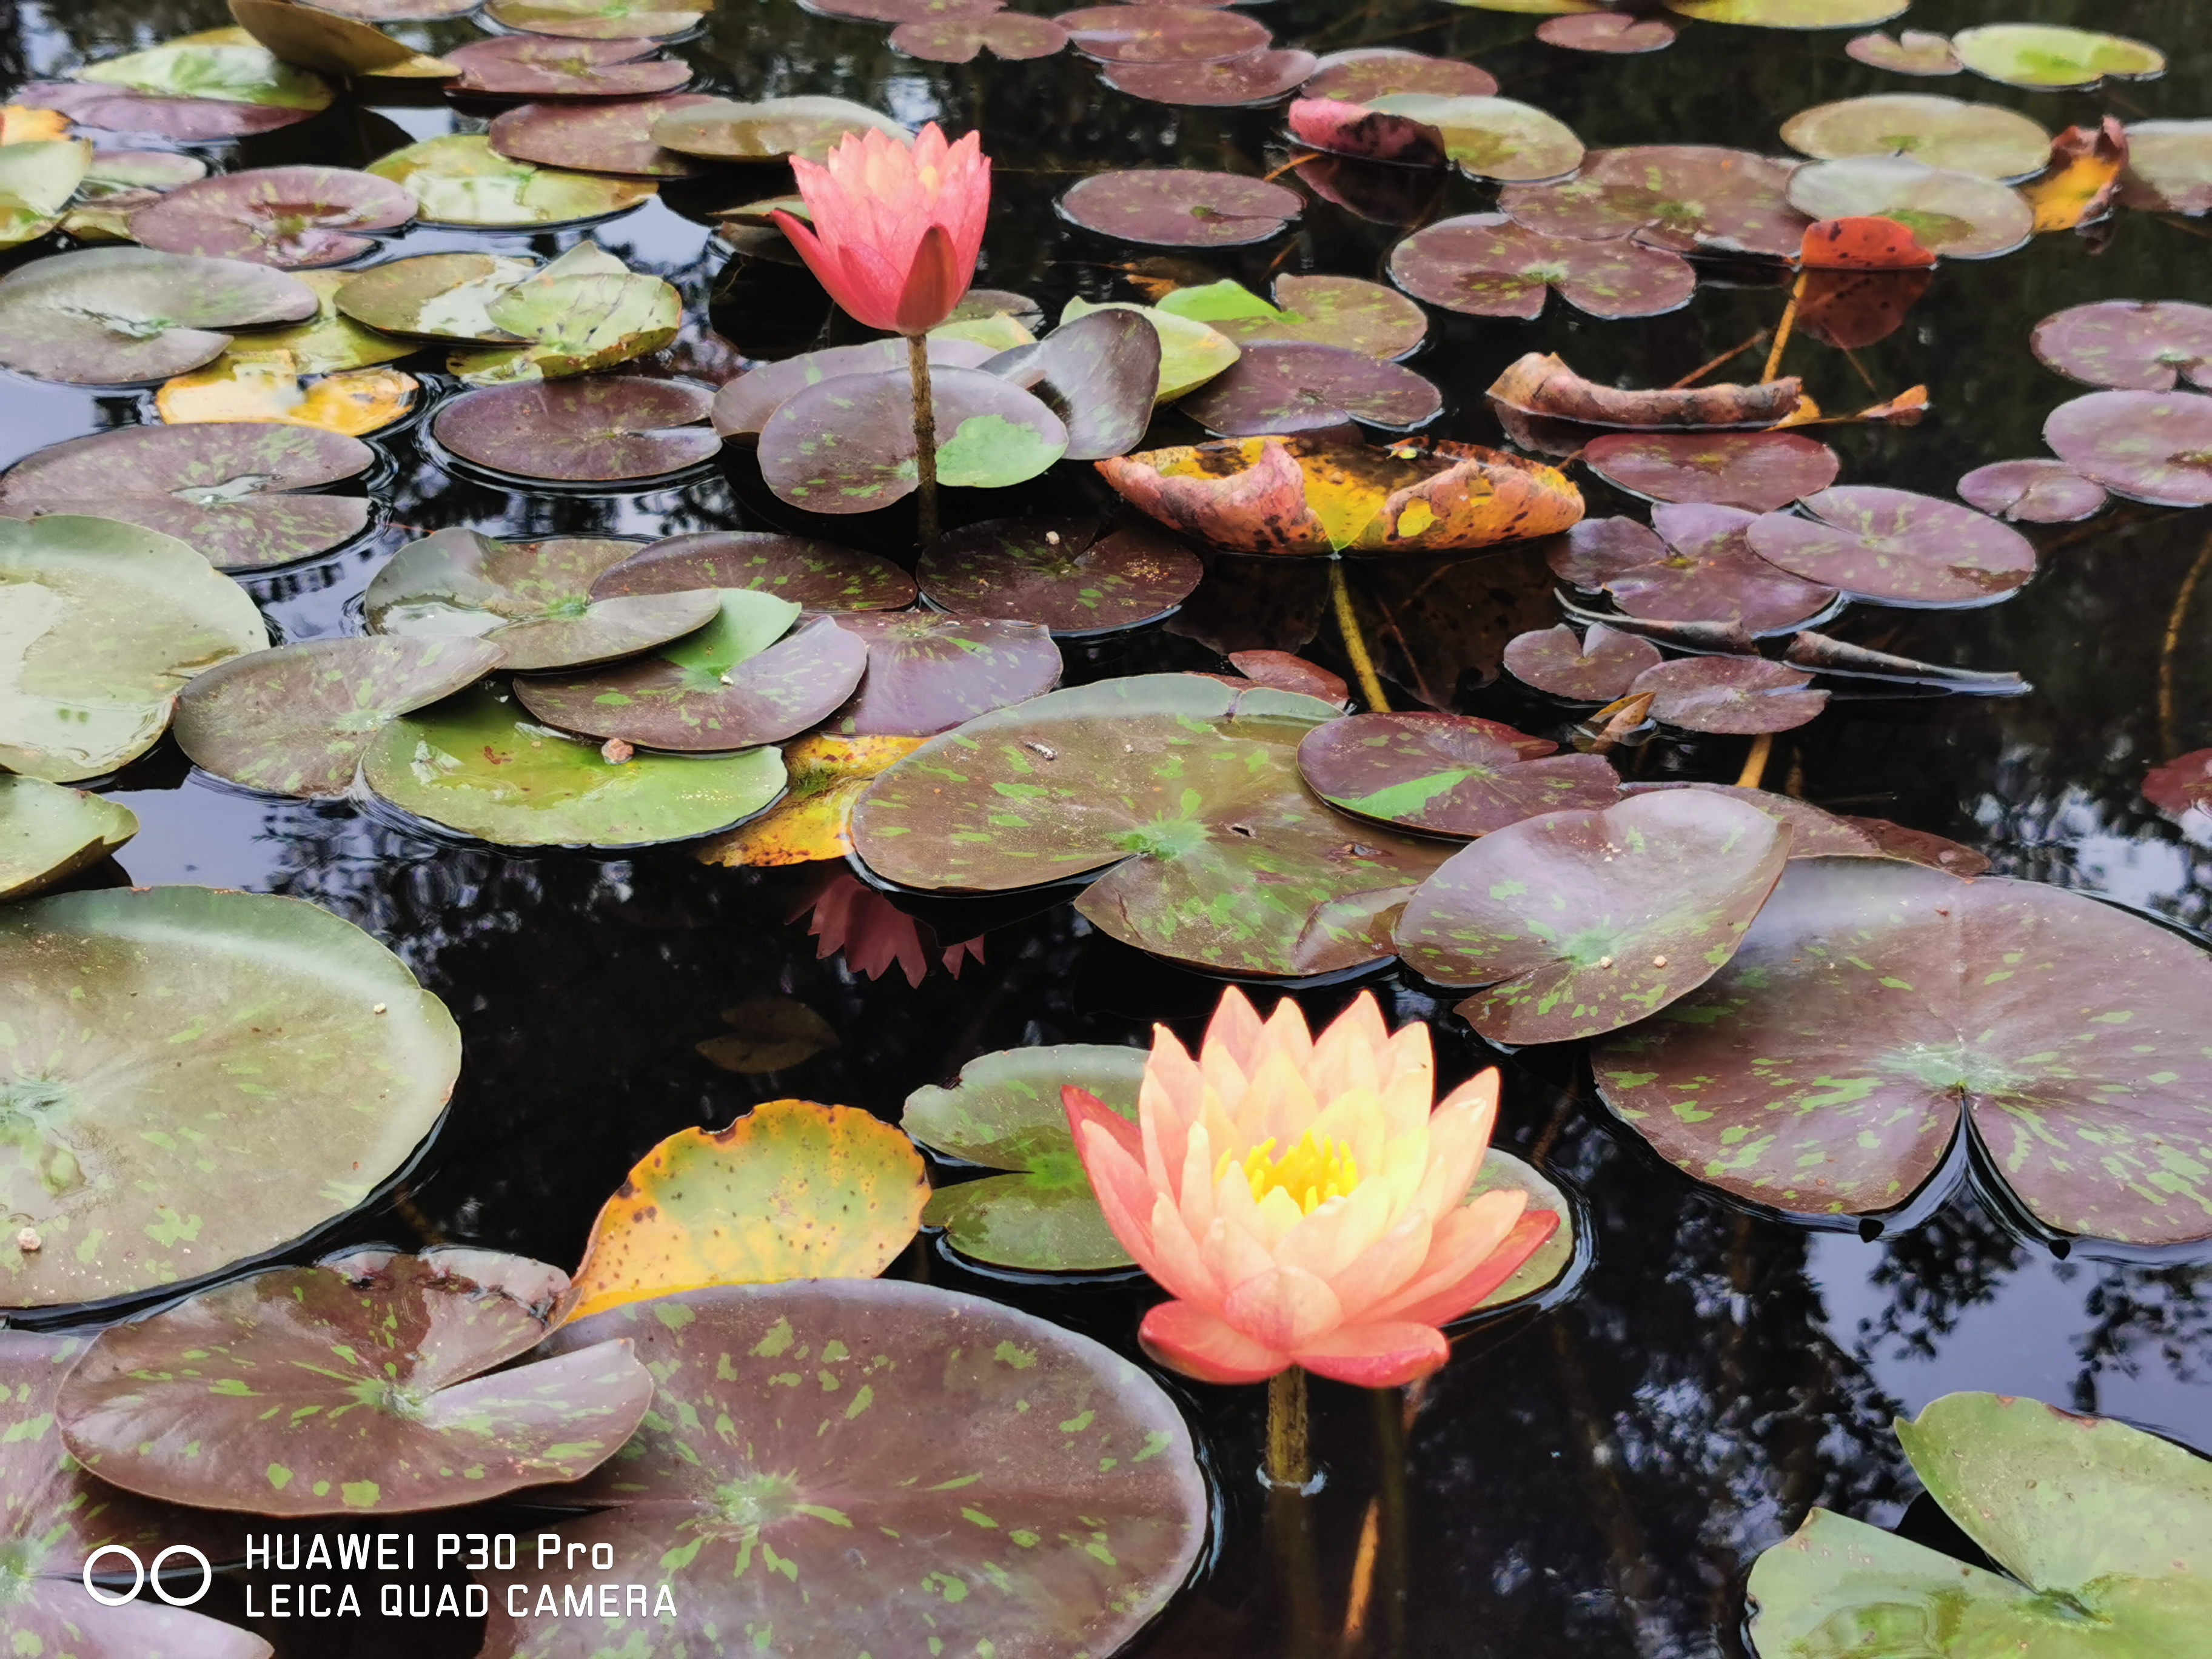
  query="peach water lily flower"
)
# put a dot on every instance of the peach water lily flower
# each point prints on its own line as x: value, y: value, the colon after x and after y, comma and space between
x: 1300, y: 1199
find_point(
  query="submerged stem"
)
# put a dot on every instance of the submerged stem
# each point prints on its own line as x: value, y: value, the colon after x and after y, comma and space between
x: 1782, y: 329
x: 2170, y: 647
x: 1754, y: 765
x: 1355, y: 646
x: 1288, y: 1464
x: 925, y: 438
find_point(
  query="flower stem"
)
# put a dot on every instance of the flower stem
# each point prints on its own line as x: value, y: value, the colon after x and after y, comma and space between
x: 1782, y: 330
x: 925, y: 438
x: 1363, y: 668
x: 1288, y: 1462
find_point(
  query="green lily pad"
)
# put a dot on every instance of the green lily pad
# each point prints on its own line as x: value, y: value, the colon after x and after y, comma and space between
x: 1005, y: 1114
x: 49, y: 833
x: 236, y: 491
x: 1578, y: 923
x: 434, y: 296
x: 815, y: 575
x: 1332, y: 311
x: 1098, y: 374
x: 116, y: 316
x: 475, y: 765
x: 460, y: 180
x: 1876, y: 1003
x: 199, y: 1076
x: 743, y: 405
x: 2153, y: 447
x: 595, y: 428
x: 296, y: 720
x: 1039, y: 1490
x: 586, y: 311
x: 329, y: 342
x: 37, y: 180
x: 1181, y: 795
x: 928, y: 673
x: 1958, y: 216
x: 602, y: 136
x: 1790, y: 14
x: 531, y: 599
x: 1895, y: 547
x: 1448, y: 775
x: 104, y: 623
x: 1077, y: 577
x: 232, y: 72
x: 363, y: 1386
x: 1191, y: 353
x: 721, y: 130
x: 598, y: 20
x: 1986, y: 139
x: 2046, y: 55
x: 1541, y: 1272
x: 1491, y: 137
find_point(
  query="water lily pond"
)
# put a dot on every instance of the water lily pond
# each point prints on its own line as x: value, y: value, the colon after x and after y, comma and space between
x: 896, y: 827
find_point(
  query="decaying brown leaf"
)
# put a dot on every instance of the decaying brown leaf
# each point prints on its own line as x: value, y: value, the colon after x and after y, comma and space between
x: 1540, y: 384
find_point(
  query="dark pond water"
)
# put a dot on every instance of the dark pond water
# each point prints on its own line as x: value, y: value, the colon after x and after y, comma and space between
x: 1594, y: 1480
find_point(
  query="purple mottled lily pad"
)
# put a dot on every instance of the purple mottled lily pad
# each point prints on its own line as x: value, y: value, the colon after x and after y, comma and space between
x: 609, y: 136
x: 1180, y: 207
x: 1695, y: 565
x: 295, y: 721
x: 1074, y: 576
x: 235, y: 491
x: 1333, y: 311
x: 815, y: 575
x: 1162, y: 34
x: 597, y: 429
x: 1914, y: 51
x: 365, y: 1386
x: 1597, y: 668
x: 771, y: 130
x: 1181, y: 795
x: 540, y: 66
x: 289, y: 217
x: 2134, y: 346
x: 2182, y: 788
x: 1486, y: 265
x: 1358, y: 133
x: 114, y: 316
x: 1008, y: 34
x: 903, y: 11
x: 1757, y: 470
x: 1365, y: 72
x: 1683, y: 198
x: 1289, y: 386
x: 2169, y: 167
x: 1097, y: 373
x: 2032, y: 492
x: 2153, y: 447
x: 743, y: 406
x: 398, y: 11
x: 187, y: 120
x: 1874, y: 1004
x: 1816, y: 833
x: 1448, y: 775
x: 1610, y: 32
x: 1898, y: 548
x: 1257, y: 77
x: 928, y: 673
x: 1578, y: 923
x: 1730, y: 697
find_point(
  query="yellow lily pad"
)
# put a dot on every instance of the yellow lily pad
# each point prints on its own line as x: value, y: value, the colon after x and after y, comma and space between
x: 270, y: 385
x: 813, y: 822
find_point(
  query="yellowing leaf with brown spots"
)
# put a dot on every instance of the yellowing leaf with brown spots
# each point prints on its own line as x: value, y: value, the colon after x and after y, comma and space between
x: 268, y: 386
x: 2078, y: 185
x: 20, y: 124
x: 810, y: 822
x: 793, y: 1190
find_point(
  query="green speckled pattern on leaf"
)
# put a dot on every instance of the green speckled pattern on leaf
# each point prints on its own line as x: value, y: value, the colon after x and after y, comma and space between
x: 1448, y: 775
x: 461, y: 180
x: 117, y: 316
x: 48, y: 833
x: 846, y: 1467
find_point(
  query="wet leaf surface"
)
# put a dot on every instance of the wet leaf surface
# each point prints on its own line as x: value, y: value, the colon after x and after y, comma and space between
x: 1913, y: 51
x: 595, y: 20
x: 1678, y: 197
x: 328, y: 342
x: 1486, y: 265
x: 2148, y: 446
x: 721, y: 130
x: 1191, y: 353
x: 1332, y: 311
x: 2169, y: 166
x: 260, y: 389
x: 1365, y: 72
x: 1183, y: 793
x: 1578, y: 923
x: 1958, y: 216
x: 815, y: 575
x: 1607, y: 32
x: 928, y: 673
x: 1986, y: 139
x: 1257, y: 77
x: 1825, y: 1072
x: 1598, y: 667
x: 1179, y: 207
x: 1759, y: 471
x: 1009, y: 35
x: 584, y: 313
x: 848, y: 444
x: 231, y: 491
x: 301, y: 1098
x: 535, y: 66
x: 1734, y: 696
x: 462, y: 180
x: 2032, y: 492
x: 296, y: 720
x: 1162, y: 34
x: 811, y: 823
x: 1448, y: 775
x: 917, y: 1410
x: 48, y: 833
x: 1366, y: 136
x: 1282, y: 671
x: 1897, y: 547
x: 1538, y: 384
x: 1816, y: 833
x: 599, y: 430
x: 117, y: 316
x: 743, y: 405
x: 437, y: 296
x: 2050, y: 55
x: 1695, y: 564
x: 1491, y: 137
x: 2134, y: 346
x: 606, y: 136
x: 38, y: 179
x: 1074, y: 576
x: 1282, y: 387
x: 1097, y: 373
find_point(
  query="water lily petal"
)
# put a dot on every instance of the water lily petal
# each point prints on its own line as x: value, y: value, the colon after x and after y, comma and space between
x: 1439, y: 1296
x: 1284, y: 1308
x: 1205, y: 1346
x: 1380, y: 1354
x: 1384, y: 1267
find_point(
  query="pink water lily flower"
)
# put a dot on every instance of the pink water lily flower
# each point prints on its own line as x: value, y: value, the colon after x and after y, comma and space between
x: 1300, y: 1201
x: 895, y: 227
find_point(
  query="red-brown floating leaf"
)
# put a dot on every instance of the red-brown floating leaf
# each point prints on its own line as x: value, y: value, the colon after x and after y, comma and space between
x: 1699, y: 567
x: 1285, y: 672
x: 1180, y: 207
x: 1915, y: 51
x: 1958, y: 216
x: 1729, y: 696
x: 1365, y: 72
x: 187, y: 120
x: 929, y: 673
x: 1757, y: 470
x: 2153, y: 447
x: 608, y: 136
x: 1865, y: 242
x: 1895, y: 547
x: 1685, y: 197
x: 596, y: 428
x: 1538, y: 384
x: 1848, y: 309
x: 743, y: 406
x: 2133, y: 345
x: 957, y: 39
x: 1074, y: 576
x: 1486, y: 265
x: 541, y: 66
x: 1365, y: 135
x: 1097, y: 373
x: 1286, y: 386
x: 1606, y: 31
x: 1162, y: 34
x: 1257, y: 77
x: 1597, y: 668
x: 1448, y: 775
x: 815, y: 575
x: 2181, y: 786
x: 2032, y: 492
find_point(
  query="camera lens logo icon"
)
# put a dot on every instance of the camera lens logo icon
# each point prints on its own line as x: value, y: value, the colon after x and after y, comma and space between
x: 139, y: 1572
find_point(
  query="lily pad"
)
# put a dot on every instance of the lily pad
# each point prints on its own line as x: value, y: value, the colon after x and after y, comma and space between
x: 1599, y: 667
x: 1894, y: 547
x: 535, y: 66
x: 1578, y: 923
x: 1256, y: 77
x: 2169, y: 167
x: 1682, y: 197
x: 1790, y: 14
x: 37, y: 180
x: 929, y: 673
x: 366, y: 1385
x: 309, y: 38
x: 1179, y: 207
x: 2046, y: 55
x: 721, y: 131
x: 1816, y: 833
x: 1448, y: 775
x: 600, y: 428
x: 295, y: 1058
x: 327, y: 342
x: 2032, y: 492
x: 1365, y: 72
x: 233, y: 492
x: 438, y: 296
x: 1332, y: 311
x: 1005, y: 1113
x: 297, y: 720
x: 599, y: 20
x: 105, y: 622
x: 1012, y: 35
x: 1759, y: 471
x: 2181, y: 789
x: 585, y: 312
x: 1696, y: 564
x: 1958, y: 216
x: 2153, y: 447
x: 605, y: 137
x: 397, y: 11
x: 1491, y: 137
x: 49, y: 833
x: 743, y: 405
x: 1191, y: 353
x: 239, y: 71
x: 1287, y: 387
x: 460, y: 180
x: 847, y: 445
x: 1097, y: 373
x: 1075, y: 576
x: 264, y: 388
x: 1163, y: 34
x: 475, y: 765
x: 1487, y: 265
x: 1181, y: 795
x: 2134, y: 346
x: 935, y: 1408
x: 1914, y: 51
x: 1610, y: 32
x: 810, y: 823
x: 1876, y: 1003
x: 117, y: 316
x: 1986, y: 139
x: 815, y: 575
x: 791, y: 1190
x: 534, y: 600
x: 186, y: 119
x: 1733, y: 696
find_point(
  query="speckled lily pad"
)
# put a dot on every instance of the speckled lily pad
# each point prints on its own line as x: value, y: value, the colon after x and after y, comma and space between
x: 1365, y: 72
x: 1333, y: 311
x: 743, y: 405
x: 48, y: 833
x: 1816, y: 833
x: 815, y: 575
x: 1448, y: 775
x: 187, y: 120
x: 437, y: 296
x: 1074, y: 576
x: 1491, y: 137
x: 1695, y: 565
x: 1678, y: 197
x: 1756, y: 471
x: 1256, y: 77
x: 1599, y: 667
x: 1487, y: 265
x: 536, y: 66
x: 1732, y: 696
x: 2132, y: 346
x: 1897, y: 547
x: 1610, y: 32
x: 115, y: 316
x: 2169, y: 167
x: 1958, y: 216
x: 719, y: 130
x: 2153, y: 447
x: 2046, y: 55
x: 599, y: 429
x: 460, y: 180
x: 599, y: 20
x: 929, y: 673
x: 1098, y: 373
x: 1180, y: 207
x: 1012, y: 35
x: 1987, y: 139
x: 1289, y: 387
x: 1162, y: 34
x: 2032, y: 492
x: 608, y: 135
x: 1913, y: 51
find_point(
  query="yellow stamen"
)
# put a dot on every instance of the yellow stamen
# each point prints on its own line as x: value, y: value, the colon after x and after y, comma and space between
x: 1315, y: 1170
